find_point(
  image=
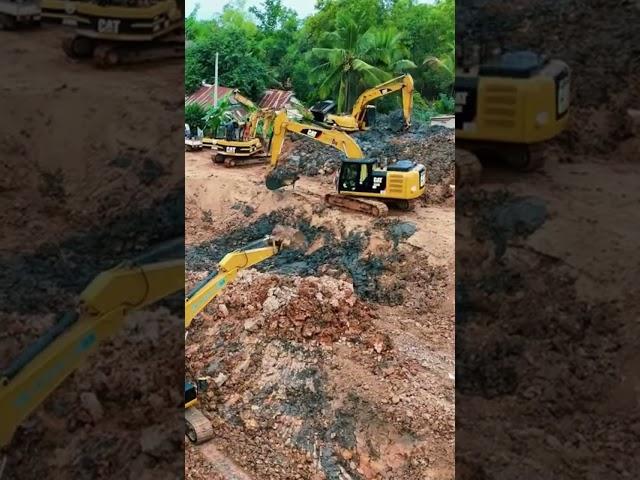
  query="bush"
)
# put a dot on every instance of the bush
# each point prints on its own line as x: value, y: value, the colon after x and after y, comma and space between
x: 194, y: 116
x: 446, y: 104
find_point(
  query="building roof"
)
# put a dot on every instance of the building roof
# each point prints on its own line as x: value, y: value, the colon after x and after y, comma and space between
x: 204, y: 97
x: 276, y: 99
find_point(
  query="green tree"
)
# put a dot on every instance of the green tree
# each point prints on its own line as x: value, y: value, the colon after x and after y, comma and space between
x: 272, y: 15
x: 194, y: 114
x: 446, y: 65
x: 216, y: 116
x: 357, y: 60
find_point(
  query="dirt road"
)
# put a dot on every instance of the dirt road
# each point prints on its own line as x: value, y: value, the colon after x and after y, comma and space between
x: 320, y: 380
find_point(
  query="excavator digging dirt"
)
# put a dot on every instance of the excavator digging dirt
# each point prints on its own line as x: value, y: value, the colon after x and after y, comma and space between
x: 362, y: 115
x: 198, y: 426
x: 361, y: 185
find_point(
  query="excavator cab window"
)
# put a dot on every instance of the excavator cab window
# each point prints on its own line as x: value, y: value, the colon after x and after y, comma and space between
x: 364, y: 174
x: 349, y: 176
x: 190, y: 392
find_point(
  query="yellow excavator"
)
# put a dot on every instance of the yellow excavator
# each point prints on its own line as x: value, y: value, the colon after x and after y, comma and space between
x: 199, y: 428
x: 98, y: 315
x: 362, y: 115
x: 238, y: 97
x: 122, y: 32
x: 361, y: 184
x: 506, y: 108
x: 252, y: 148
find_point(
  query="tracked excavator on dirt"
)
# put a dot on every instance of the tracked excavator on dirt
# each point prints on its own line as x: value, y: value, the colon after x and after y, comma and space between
x: 506, y: 108
x: 361, y: 184
x: 199, y: 428
x: 254, y: 146
x: 117, y: 32
x: 100, y: 312
x: 362, y: 115
x: 19, y: 13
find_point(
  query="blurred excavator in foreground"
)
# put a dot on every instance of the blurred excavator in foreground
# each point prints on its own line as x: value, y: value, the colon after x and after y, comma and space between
x: 100, y: 312
x: 199, y: 428
x: 506, y: 108
x: 361, y: 184
x: 117, y: 32
x: 363, y: 114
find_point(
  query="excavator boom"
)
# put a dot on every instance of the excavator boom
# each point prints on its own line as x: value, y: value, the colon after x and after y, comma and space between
x: 278, y: 178
x: 228, y: 268
x: 404, y: 83
x: 335, y: 138
x: 244, y: 100
x: 99, y: 314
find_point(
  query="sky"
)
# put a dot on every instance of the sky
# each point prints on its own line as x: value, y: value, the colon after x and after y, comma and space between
x: 210, y: 7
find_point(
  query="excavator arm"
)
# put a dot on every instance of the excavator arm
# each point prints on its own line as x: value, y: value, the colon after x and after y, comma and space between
x: 335, y: 138
x: 277, y: 178
x: 356, y: 121
x: 244, y: 100
x: 99, y: 314
x: 228, y: 268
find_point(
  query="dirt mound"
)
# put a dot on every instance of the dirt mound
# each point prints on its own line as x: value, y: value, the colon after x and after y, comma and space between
x: 306, y: 385
x: 325, y: 253
x: 386, y: 143
x: 322, y: 308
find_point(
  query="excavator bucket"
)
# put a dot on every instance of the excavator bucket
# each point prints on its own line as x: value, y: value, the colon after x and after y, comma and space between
x: 279, y: 178
x: 290, y: 237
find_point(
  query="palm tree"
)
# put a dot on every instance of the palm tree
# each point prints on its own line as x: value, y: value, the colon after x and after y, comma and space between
x: 446, y: 63
x: 357, y: 60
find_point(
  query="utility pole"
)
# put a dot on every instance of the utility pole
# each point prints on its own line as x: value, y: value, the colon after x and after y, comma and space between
x: 215, y: 88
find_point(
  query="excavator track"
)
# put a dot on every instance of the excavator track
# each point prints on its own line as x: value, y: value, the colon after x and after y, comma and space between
x: 531, y: 159
x: 112, y: 54
x: 243, y: 161
x: 199, y: 428
x: 468, y: 168
x: 374, y: 208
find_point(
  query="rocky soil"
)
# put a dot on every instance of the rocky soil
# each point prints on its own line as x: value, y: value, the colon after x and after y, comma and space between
x: 332, y: 360
x: 543, y: 262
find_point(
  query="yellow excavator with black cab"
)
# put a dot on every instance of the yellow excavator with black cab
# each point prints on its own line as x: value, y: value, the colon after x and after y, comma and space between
x: 507, y: 107
x: 362, y: 115
x: 362, y: 185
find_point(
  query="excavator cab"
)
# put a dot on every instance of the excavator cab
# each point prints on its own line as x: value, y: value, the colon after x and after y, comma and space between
x: 358, y: 176
x: 320, y: 110
x: 403, y: 180
x: 370, y: 116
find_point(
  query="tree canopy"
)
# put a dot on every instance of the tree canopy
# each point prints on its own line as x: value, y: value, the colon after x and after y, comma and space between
x: 342, y: 49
